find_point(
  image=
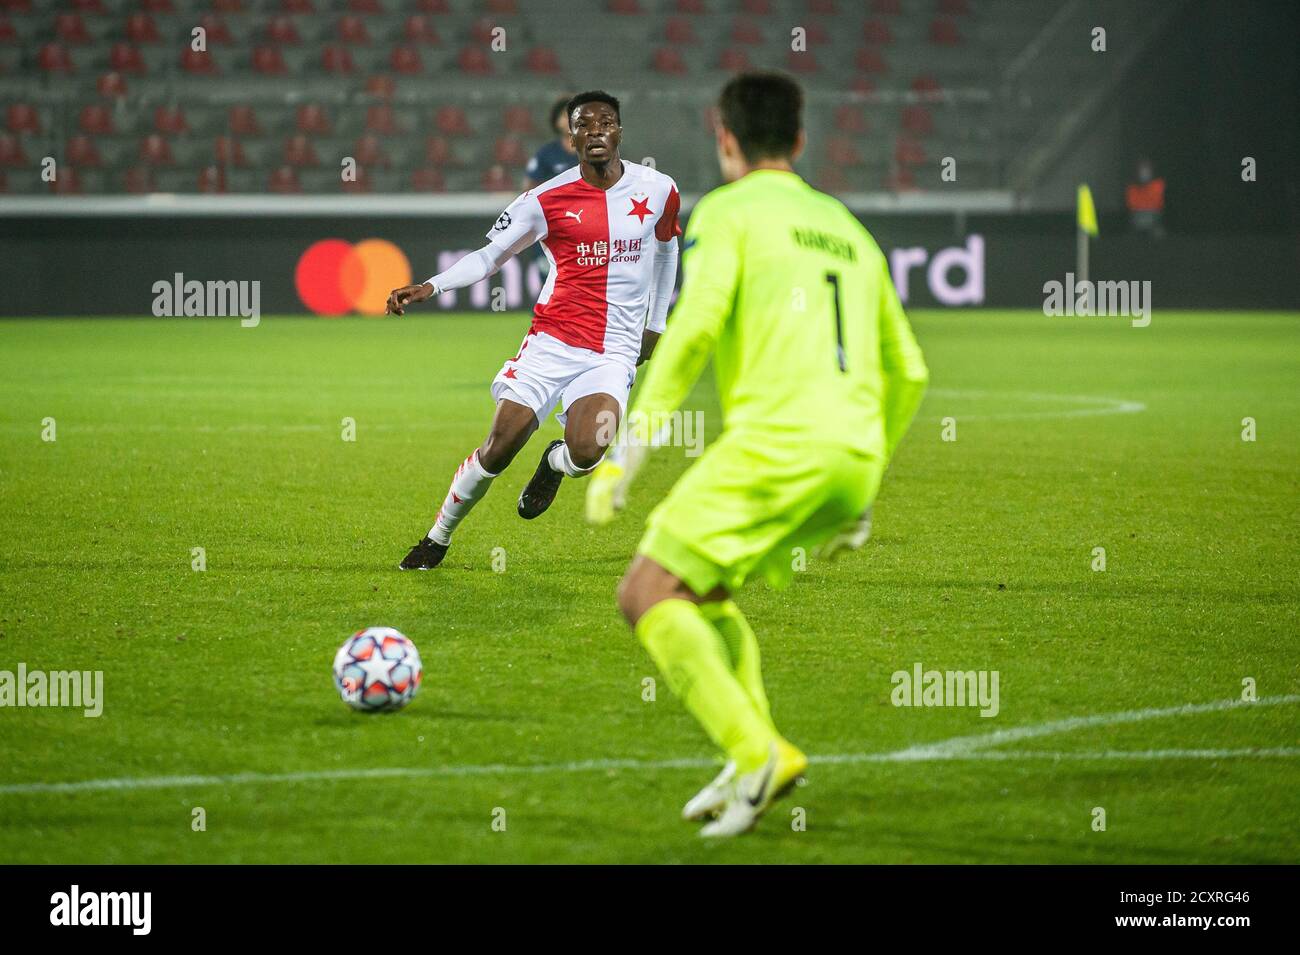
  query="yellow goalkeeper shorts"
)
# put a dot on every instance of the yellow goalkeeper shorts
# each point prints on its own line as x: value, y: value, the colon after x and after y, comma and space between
x: 755, y: 504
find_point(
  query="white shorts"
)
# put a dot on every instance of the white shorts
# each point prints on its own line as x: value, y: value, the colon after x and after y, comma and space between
x: 547, y: 372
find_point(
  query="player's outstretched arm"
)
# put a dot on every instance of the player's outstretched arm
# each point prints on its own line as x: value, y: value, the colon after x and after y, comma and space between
x: 475, y: 267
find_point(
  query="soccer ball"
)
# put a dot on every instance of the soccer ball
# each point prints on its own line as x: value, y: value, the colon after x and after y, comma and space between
x: 377, y: 669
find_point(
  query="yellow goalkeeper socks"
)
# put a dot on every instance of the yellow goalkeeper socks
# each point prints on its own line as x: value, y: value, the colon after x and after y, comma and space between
x: 742, y: 648
x: 693, y: 658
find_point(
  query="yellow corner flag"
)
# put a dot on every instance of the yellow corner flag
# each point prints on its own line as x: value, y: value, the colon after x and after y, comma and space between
x: 1087, y: 211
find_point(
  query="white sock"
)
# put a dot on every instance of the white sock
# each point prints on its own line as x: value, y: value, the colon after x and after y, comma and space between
x: 560, y: 460
x: 467, y: 487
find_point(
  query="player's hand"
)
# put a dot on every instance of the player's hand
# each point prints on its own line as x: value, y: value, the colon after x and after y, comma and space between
x: 850, y: 538
x: 399, y: 298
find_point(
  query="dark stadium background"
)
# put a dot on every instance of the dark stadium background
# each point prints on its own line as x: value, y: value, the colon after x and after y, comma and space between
x: 159, y: 172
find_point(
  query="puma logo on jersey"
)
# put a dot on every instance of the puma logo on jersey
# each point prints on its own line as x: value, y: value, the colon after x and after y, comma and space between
x: 577, y: 215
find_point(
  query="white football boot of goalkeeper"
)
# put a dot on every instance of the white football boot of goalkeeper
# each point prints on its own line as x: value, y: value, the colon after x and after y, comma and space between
x: 750, y: 795
x: 710, y: 800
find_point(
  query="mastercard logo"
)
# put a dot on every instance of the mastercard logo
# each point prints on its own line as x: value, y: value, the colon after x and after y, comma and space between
x: 334, y: 277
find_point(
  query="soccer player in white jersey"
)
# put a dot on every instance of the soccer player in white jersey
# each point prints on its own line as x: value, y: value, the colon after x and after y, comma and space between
x: 609, y: 229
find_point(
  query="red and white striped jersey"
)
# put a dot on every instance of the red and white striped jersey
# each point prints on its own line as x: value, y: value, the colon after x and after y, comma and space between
x: 601, y: 245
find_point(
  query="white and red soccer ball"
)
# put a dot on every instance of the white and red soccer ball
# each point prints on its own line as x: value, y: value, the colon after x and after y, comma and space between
x: 377, y: 669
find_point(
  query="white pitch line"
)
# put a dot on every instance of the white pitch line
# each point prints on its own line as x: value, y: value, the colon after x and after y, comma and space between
x: 957, y: 748
x: 1098, y: 405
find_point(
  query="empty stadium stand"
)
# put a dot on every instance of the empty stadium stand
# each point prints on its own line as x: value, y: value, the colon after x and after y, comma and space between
x: 270, y: 96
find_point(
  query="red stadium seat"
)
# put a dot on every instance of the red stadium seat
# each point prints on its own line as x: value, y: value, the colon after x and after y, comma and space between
x: 369, y: 152
x: 868, y: 59
x: 503, y: 8
x: 96, y: 119
x: 474, y: 61
x: 198, y: 62
x: 850, y: 119
x: 141, y: 28
x: 70, y: 28
x: 625, y: 7
x: 228, y: 6
x: 509, y: 151
x: 760, y: 8
x: 420, y: 29
x: 944, y: 33
x: 908, y: 151
x: 382, y: 119
x: 917, y: 120
x: 805, y: 62
x: 8, y: 32
x: 842, y: 151
x: 89, y: 6
x: 405, y: 60
x: 269, y: 61
x: 284, y: 181
x: 877, y: 31
x: 428, y: 180
x: 679, y: 30
x: 82, y: 151
x: 67, y: 182
x: 926, y: 83
x: 433, y: 6
x: 124, y: 58
x: 518, y: 119
x: 55, y: 58
x: 437, y: 151
x: 229, y: 151
x: 211, y: 180
x: 138, y: 180
x: 218, y: 32
x: 542, y: 59
x: 312, y: 118
x: 282, y: 30
x: 817, y: 33
x: 11, y: 151
x: 746, y: 31
x: 381, y: 86
x: 352, y: 29
x: 298, y: 151
x: 668, y: 60
x: 360, y: 184
x: 733, y: 59
x: 689, y: 6
x: 158, y: 6
x: 156, y: 151
x: 825, y: 8
x: 297, y: 6
x: 243, y: 121
x: 862, y: 84
x: 336, y: 59
x: 111, y: 84
x: 452, y: 121
x: 22, y: 118
x: 16, y: 6
x: 496, y: 179
x: 481, y: 31
x: 170, y: 120
x: 367, y: 7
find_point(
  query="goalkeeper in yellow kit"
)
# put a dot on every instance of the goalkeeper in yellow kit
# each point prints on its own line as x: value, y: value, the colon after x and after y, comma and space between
x: 818, y: 375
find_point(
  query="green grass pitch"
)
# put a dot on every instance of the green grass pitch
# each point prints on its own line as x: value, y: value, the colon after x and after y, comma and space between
x: 1071, y: 434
